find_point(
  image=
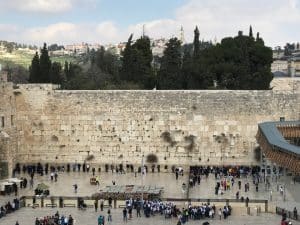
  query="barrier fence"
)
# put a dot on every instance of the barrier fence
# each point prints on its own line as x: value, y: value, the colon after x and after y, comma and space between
x: 289, y: 214
x: 56, y: 201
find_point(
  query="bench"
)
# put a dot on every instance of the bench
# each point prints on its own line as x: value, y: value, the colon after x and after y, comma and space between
x: 33, y: 205
x: 89, y: 206
x: 70, y: 205
x: 51, y: 205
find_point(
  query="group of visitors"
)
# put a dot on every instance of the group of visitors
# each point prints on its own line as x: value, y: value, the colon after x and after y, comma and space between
x: 9, y: 207
x: 170, y: 210
x: 226, y: 177
x: 55, y: 219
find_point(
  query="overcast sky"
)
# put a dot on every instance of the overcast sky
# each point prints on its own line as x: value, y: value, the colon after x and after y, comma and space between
x: 112, y: 21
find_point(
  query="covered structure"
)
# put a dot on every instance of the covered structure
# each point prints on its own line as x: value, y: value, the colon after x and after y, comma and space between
x: 279, y: 141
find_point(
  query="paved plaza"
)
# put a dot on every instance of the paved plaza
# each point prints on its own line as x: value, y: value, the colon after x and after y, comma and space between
x: 172, y: 189
x: 89, y: 217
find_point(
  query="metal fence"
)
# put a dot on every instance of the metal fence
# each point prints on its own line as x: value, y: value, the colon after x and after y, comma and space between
x: 289, y: 214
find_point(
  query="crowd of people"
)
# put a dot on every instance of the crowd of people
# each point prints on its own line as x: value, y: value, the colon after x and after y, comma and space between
x: 9, y: 207
x: 170, y: 210
x: 55, y: 219
x: 226, y: 177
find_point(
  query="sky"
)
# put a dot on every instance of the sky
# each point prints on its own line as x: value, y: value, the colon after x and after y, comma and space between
x: 112, y: 21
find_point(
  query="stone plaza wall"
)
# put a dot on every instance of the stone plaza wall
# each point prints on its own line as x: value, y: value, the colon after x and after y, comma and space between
x: 113, y: 127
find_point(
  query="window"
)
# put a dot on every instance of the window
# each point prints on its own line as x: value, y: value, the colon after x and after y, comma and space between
x: 282, y: 119
x: 2, y: 121
x: 12, y: 120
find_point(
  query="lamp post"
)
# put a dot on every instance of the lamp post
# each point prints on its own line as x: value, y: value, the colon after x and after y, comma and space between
x: 142, y: 177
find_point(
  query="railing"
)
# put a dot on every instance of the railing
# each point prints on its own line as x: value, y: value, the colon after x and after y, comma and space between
x: 289, y: 214
x: 33, y: 201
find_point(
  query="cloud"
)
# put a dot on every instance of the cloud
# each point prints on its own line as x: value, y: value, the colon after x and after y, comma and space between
x: 64, y: 33
x: 44, y: 6
x: 276, y: 20
x: 224, y: 18
x: 156, y: 28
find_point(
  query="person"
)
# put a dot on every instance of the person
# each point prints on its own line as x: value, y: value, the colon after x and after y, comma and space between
x: 75, y: 188
x: 125, y: 214
x: 55, y: 176
x: 17, y: 223
x: 237, y: 195
x: 102, y: 204
x: 93, y: 170
x: 220, y: 213
x: 109, y: 218
x: 71, y: 220
x: 96, y: 205
x: 247, y: 201
x: 281, y: 190
x: 31, y: 183
x: 101, y: 220
x: 295, y: 213
x: 98, y: 180
x: 179, y: 222
x: 138, y: 210
x: 110, y: 201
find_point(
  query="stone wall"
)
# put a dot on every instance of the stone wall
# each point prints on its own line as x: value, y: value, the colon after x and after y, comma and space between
x: 8, y: 131
x: 113, y: 127
x: 286, y: 83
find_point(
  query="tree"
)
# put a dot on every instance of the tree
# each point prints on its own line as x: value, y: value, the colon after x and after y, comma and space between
x: 137, y: 63
x: 250, y: 32
x: 127, y: 61
x: 169, y: 75
x: 195, y: 67
x: 34, y: 69
x: 244, y: 64
x: 196, y: 42
x: 45, y: 65
x: 9, y: 47
x: 56, y: 73
x: 66, y: 69
x: 142, y: 68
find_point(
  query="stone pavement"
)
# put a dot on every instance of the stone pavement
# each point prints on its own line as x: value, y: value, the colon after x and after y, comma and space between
x: 26, y: 216
x: 172, y: 187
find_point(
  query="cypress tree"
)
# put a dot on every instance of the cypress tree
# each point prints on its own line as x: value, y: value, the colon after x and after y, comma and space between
x: 34, y: 69
x: 45, y: 65
x: 66, y: 70
x: 137, y: 63
x: 127, y: 60
x: 250, y: 31
x: 56, y: 73
x: 196, y: 42
x: 142, y: 68
x: 169, y: 75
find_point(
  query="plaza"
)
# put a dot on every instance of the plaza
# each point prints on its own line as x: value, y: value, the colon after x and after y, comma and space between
x: 172, y: 189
